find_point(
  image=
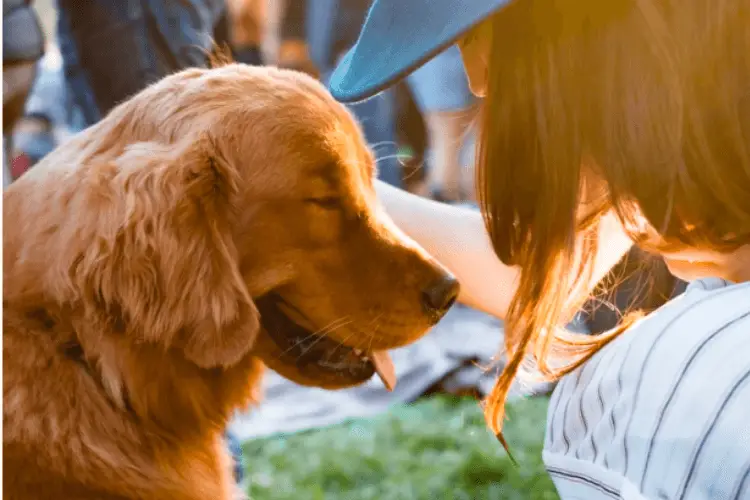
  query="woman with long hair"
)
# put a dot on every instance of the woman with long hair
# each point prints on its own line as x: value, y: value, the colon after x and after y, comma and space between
x: 604, y: 124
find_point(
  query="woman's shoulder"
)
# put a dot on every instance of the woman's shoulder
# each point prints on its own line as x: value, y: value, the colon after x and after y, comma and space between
x: 704, y: 304
x: 709, y: 308
x: 708, y: 287
x: 667, y: 401
x: 696, y: 327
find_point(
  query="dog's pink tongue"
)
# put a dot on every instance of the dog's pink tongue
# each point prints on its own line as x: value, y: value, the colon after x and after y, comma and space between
x: 384, y: 367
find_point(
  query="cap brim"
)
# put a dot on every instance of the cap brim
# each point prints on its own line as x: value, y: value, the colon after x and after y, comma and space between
x: 391, y: 45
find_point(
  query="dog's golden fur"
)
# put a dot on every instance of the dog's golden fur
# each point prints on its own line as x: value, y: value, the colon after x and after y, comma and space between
x: 133, y: 257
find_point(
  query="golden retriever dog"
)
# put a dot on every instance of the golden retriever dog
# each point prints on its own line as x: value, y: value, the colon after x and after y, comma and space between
x: 218, y: 222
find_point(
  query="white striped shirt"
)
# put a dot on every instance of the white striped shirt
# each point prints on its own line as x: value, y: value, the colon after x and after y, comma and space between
x: 662, y: 412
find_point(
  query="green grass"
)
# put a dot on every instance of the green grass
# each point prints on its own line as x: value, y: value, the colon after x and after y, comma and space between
x: 436, y: 449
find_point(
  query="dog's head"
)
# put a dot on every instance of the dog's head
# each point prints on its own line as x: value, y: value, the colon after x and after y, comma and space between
x: 238, y: 217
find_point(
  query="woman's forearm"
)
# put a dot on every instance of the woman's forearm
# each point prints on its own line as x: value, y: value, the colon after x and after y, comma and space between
x: 457, y: 238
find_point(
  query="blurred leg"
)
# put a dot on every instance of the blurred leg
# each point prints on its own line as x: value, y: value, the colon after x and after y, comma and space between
x: 331, y: 27
x: 328, y: 43
x: 23, y: 45
x: 447, y: 131
x: 45, y: 116
x: 411, y: 135
x: 244, y: 28
x: 7, y: 175
x: 441, y: 90
x: 377, y: 118
x: 81, y: 107
x: 222, y: 34
x: 271, y: 41
x: 18, y: 80
x: 469, y: 163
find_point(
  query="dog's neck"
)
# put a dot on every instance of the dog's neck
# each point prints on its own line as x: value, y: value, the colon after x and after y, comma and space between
x: 143, y: 384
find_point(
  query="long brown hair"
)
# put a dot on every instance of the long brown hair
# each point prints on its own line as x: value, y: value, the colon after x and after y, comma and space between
x: 647, y: 99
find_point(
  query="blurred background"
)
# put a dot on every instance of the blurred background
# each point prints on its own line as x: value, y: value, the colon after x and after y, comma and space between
x: 66, y: 63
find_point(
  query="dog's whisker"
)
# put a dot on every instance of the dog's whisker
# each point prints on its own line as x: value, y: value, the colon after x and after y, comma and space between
x: 397, y: 156
x: 304, y: 351
x: 308, y: 336
x: 383, y: 143
x: 330, y: 327
x: 415, y: 171
x: 375, y: 331
x: 298, y: 342
x: 340, y: 344
x: 321, y: 337
x: 372, y: 336
x: 376, y: 318
x: 313, y: 334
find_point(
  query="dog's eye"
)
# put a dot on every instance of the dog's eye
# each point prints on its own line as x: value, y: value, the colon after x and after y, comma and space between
x: 327, y: 202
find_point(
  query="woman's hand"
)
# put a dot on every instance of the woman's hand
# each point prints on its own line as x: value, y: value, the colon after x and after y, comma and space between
x: 457, y: 238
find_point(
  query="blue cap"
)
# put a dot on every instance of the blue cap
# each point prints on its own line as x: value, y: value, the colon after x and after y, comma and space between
x: 398, y: 37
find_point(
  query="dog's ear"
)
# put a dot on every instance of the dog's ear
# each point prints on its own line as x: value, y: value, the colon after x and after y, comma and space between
x: 165, y: 267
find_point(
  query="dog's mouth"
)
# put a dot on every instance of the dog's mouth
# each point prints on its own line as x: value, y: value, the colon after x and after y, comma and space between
x: 314, y: 355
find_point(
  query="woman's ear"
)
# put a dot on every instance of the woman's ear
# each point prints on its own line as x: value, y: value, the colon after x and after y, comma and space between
x: 164, y: 268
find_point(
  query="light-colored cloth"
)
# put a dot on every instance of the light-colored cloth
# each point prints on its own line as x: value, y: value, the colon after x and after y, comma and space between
x: 663, y: 412
x: 7, y: 176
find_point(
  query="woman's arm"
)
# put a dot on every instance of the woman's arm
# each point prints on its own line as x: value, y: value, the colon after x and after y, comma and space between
x: 457, y: 238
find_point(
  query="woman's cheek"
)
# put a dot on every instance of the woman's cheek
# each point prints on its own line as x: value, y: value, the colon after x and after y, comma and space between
x: 475, y: 51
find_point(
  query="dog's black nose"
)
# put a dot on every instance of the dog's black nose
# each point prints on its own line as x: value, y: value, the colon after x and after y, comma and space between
x: 440, y: 296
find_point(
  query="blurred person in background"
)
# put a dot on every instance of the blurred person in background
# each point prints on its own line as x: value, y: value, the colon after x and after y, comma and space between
x: 23, y: 46
x: 112, y: 50
x: 108, y: 51
x: 315, y: 34
x: 46, y: 113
